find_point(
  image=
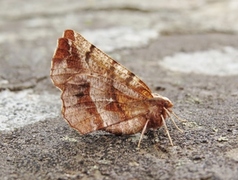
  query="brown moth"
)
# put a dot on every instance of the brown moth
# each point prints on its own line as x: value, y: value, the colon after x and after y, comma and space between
x: 100, y: 94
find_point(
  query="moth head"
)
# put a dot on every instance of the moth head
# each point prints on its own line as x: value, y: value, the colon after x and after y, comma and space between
x: 159, y: 106
x: 166, y: 102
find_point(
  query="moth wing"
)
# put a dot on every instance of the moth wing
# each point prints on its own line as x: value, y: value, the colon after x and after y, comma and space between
x: 97, y: 92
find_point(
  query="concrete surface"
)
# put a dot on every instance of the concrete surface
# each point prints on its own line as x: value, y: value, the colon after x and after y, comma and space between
x: 186, y: 51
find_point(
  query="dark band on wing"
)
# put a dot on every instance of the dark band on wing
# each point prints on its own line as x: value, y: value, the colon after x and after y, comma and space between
x: 88, y: 53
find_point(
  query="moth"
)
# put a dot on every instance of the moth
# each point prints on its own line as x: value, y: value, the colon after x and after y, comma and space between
x: 100, y: 94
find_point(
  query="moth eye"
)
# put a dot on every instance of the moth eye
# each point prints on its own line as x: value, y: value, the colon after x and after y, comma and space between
x: 166, y: 104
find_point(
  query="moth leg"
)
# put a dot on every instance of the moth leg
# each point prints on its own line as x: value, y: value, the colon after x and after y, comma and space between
x: 142, y: 133
x: 180, y: 119
x: 166, y: 129
x: 173, y: 119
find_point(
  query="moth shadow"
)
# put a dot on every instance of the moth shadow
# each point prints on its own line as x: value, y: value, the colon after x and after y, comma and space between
x: 101, y: 139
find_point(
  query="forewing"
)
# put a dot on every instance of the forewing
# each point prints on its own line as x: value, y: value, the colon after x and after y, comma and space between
x: 96, y: 90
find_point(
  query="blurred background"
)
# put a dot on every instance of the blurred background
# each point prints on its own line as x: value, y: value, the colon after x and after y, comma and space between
x: 29, y: 29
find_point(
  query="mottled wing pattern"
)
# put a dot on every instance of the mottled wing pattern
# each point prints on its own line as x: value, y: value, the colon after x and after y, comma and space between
x: 97, y: 92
